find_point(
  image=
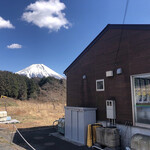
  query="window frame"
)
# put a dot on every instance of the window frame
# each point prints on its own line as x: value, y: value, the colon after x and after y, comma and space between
x: 103, y: 85
x: 134, y: 111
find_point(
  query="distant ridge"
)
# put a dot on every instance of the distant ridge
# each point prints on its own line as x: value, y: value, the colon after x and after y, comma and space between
x: 39, y: 70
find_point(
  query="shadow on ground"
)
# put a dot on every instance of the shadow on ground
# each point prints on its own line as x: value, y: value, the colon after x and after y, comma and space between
x: 41, y: 139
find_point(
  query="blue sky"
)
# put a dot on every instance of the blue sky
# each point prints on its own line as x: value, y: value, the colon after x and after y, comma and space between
x: 55, y: 32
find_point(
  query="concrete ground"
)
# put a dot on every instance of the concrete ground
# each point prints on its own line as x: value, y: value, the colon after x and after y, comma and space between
x: 43, y: 139
x: 6, y: 141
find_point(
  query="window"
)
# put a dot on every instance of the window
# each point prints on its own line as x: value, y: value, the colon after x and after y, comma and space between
x: 141, y: 99
x: 100, y: 85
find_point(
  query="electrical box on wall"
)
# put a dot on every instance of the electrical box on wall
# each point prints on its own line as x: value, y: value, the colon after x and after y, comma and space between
x: 109, y: 73
x: 110, y: 109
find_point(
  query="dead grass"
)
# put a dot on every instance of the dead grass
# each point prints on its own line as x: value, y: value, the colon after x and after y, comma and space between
x: 32, y: 113
x: 2, y: 140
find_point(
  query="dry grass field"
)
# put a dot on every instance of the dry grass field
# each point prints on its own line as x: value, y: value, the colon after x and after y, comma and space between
x: 31, y: 113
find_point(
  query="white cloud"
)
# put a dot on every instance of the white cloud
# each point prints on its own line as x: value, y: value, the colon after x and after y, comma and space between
x: 47, y: 14
x: 5, y: 23
x: 14, y: 46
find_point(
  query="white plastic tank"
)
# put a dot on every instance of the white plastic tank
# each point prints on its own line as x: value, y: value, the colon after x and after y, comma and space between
x: 61, y: 125
x: 140, y: 142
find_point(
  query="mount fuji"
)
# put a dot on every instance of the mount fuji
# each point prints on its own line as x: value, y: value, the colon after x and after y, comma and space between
x: 39, y: 70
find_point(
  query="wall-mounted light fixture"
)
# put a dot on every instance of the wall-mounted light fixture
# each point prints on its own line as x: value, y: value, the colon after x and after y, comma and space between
x: 119, y: 71
x: 84, y: 77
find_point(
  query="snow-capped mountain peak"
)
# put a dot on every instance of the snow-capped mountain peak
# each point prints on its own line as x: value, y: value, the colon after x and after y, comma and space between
x: 39, y: 70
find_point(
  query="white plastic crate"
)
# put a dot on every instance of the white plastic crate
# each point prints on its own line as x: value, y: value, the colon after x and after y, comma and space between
x: 3, y: 114
x: 3, y: 119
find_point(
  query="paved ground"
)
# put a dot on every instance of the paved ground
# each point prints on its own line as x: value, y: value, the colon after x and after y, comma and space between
x: 42, y: 139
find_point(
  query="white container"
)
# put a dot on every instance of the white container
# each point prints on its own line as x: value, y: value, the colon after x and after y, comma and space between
x: 76, y: 123
x: 140, y: 142
x: 3, y: 114
x: 2, y: 119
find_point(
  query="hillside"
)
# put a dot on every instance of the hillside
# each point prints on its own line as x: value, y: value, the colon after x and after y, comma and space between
x: 31, y: 113
x: 53, y: 90
x: 22, y: 88
x: 43, y: 104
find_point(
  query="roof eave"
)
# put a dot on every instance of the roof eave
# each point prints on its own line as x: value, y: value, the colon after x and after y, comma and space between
x: 112, y: 26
